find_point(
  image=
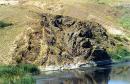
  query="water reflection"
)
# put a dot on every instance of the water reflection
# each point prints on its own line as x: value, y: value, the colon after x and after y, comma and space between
x: 115, y: 74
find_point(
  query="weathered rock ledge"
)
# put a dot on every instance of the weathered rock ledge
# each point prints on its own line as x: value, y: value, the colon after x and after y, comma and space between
x: 62, y: 40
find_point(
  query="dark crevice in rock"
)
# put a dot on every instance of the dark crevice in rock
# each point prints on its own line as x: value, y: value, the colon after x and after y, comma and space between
x: 58, y: 21
x: 51, y: 41
x: 87, y: 34
x: 87, y: 44
x: 100, y: 55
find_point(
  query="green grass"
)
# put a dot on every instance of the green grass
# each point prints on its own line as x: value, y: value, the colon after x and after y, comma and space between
x: 18, y: 74
x: 124, y: 19
x: 18, y: 80
x: 22, y: 80
x: 125, y: 22
x: 120, y: 53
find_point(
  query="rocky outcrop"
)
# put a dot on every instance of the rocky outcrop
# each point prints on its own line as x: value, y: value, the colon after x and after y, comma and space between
x: 63, y: 40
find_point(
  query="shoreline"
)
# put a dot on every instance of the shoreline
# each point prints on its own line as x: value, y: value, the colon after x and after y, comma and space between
x: 79, y: 65
x: 74, y: 66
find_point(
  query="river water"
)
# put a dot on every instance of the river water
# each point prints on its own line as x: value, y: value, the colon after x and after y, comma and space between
x: 110, y: 74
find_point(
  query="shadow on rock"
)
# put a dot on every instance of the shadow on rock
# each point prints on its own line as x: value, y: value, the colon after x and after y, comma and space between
x: 101, y: 57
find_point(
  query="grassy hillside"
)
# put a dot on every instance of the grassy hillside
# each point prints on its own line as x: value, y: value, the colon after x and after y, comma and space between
x: 15, y: 20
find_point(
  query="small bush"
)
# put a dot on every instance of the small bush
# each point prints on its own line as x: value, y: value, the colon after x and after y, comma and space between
x: 3, y: 24
x: 27, y: 68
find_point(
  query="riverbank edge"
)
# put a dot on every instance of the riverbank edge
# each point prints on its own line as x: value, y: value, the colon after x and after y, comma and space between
x: 80, y: 65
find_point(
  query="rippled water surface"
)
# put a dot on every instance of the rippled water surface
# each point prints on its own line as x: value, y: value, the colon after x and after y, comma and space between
x: 114, y: 74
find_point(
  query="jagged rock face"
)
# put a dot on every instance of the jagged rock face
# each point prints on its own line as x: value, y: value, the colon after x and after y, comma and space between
x: 63, y: 40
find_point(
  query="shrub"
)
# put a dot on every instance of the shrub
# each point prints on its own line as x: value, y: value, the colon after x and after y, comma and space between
x: 3, y: 24
x: 27, y: 68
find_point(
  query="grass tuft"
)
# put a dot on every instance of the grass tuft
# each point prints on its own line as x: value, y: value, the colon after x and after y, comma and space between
x: 18, y: 74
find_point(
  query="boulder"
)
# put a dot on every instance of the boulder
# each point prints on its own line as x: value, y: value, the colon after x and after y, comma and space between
x: 63, y: 40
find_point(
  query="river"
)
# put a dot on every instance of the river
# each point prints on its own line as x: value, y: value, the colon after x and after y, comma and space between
x: 110, y: 74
